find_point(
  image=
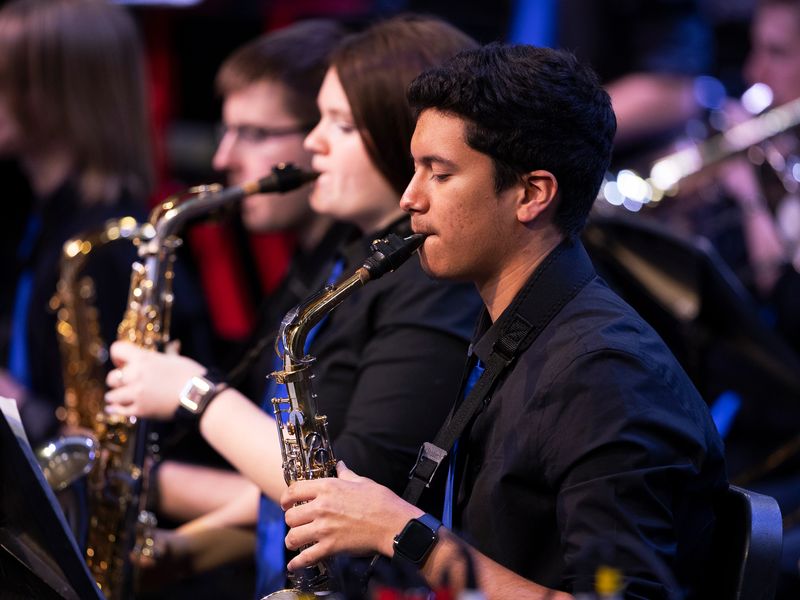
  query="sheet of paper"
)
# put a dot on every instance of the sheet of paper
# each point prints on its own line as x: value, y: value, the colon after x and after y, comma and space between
x: 9, y: 408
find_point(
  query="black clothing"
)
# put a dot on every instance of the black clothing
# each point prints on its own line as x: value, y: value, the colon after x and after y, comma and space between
x: 306, y: 274
x: 783, y: 301
x: 389, y: 362
x: 619, y: 37
x: 64, y: 216
x: 594, y: 437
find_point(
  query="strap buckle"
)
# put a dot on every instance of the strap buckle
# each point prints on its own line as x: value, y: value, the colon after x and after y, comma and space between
x: 429, y: 458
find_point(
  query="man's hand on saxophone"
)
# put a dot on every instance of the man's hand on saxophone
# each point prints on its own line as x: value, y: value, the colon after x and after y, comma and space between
x: 147, y: 384
x: 348, y: 513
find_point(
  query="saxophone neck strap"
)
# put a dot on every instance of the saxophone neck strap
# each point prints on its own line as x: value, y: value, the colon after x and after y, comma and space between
x: 558, y: 280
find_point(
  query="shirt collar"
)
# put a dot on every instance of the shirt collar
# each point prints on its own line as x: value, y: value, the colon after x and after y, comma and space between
x: 567, y: 254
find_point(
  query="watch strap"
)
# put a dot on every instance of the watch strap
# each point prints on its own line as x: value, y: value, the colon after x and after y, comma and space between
x: 430, y: 521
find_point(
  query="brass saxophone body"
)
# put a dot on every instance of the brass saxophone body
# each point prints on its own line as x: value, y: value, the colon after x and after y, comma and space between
x: 83, y: 357
x: 119, y: 522
x: 303, y: 433
x: 84, y: 352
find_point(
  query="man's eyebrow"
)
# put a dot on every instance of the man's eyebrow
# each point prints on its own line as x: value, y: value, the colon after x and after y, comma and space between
x: 430, y: 159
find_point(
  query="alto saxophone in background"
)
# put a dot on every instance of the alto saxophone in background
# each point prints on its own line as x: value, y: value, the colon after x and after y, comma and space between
x: 303, y: 432
x: 119, y: 522
x: 83, y: 357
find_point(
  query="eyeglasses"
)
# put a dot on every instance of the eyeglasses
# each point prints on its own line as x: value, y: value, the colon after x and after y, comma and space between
x: 253, y: 134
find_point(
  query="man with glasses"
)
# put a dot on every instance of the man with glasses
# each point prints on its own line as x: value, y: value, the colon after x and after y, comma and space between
x: 269, y: 88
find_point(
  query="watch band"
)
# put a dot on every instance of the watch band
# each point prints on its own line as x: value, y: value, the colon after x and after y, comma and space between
x: 196, y: 395
x: 430, y: 521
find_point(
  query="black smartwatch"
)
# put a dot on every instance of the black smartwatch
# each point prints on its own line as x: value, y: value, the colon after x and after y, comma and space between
x: 197, y: 393
x: 417, y: 539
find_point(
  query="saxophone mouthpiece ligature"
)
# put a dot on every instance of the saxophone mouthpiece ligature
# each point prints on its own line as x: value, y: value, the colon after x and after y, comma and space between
x: 391, y: 252
x: 285, y: 177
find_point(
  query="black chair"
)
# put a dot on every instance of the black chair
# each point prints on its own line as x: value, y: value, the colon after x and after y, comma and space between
x: 747, y: 547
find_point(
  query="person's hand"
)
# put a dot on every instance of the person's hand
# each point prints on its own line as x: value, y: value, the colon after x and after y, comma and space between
x: 169, y: 562
x: 146, y: 383
x: 346, y: 514
x: 738, y: 178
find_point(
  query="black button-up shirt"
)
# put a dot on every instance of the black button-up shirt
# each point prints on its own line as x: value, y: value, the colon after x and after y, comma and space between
x: 594, y: 439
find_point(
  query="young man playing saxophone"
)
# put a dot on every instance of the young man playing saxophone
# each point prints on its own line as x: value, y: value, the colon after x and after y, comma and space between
x: 593, y: 436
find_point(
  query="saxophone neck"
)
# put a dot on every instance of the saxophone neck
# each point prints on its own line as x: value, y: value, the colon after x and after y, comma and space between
x: 387, y: 255
x: 173, y: 214
x: 299, y: 322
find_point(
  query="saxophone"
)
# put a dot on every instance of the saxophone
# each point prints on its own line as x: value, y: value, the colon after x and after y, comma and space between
x: 119, y: 521
x: 83, y: 354
x: 303, y: 433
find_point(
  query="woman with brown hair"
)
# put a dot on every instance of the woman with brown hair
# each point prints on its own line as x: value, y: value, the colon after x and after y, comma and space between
x: 389, y: 358
x: 73, y: 120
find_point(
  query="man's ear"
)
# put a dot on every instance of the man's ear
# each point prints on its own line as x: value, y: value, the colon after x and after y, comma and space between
x: 539, y: 192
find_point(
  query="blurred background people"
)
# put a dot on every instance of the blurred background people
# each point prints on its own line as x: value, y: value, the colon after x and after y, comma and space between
x: 84, y: 153
x: 646, y: 54
x: 764, y: 186
x: 767, y: 193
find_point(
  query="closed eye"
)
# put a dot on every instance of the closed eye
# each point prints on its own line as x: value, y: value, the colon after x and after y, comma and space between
x: 345, y: 127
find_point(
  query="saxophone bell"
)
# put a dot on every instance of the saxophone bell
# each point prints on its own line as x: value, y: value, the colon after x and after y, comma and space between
x: 66, y: 459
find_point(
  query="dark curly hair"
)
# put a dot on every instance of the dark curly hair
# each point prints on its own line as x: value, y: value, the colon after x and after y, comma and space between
x: 528, y: 108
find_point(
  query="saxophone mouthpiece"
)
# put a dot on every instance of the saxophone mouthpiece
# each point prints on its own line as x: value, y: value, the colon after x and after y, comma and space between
x: 285, y: 177
x: 391, y: 252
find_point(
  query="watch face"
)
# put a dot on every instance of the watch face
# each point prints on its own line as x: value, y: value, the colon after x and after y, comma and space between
x: 415, y: 541
x: 194, y: 393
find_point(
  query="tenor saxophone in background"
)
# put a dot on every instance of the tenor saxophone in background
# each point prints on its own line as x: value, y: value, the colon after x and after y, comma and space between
x: 119, y: 523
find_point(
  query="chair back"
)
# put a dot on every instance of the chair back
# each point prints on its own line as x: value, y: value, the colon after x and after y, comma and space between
x: 747, y: 546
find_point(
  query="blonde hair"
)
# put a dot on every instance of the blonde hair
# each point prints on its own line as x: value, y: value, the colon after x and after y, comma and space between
x: 73, y: 74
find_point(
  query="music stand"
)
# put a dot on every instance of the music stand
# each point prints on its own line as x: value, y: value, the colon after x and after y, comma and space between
x: 38, y: 555
x: 689, y: 295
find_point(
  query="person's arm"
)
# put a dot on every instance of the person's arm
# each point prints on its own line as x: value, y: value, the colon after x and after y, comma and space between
x: 188, y: 491
x: 765, y: 250
x: 354, y: 514
x: 220, y: 537
x: 148, y: 384
x: 650, y: 103
x: 241, y: 511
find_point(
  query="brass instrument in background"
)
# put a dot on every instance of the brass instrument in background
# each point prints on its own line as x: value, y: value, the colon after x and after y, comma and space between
x: 119, y: 521
x: 303, y: 432
x: 83, y: 357
x: 627, y: 188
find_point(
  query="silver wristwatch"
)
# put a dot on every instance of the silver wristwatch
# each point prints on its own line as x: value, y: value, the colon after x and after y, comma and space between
x: 198, y: 392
